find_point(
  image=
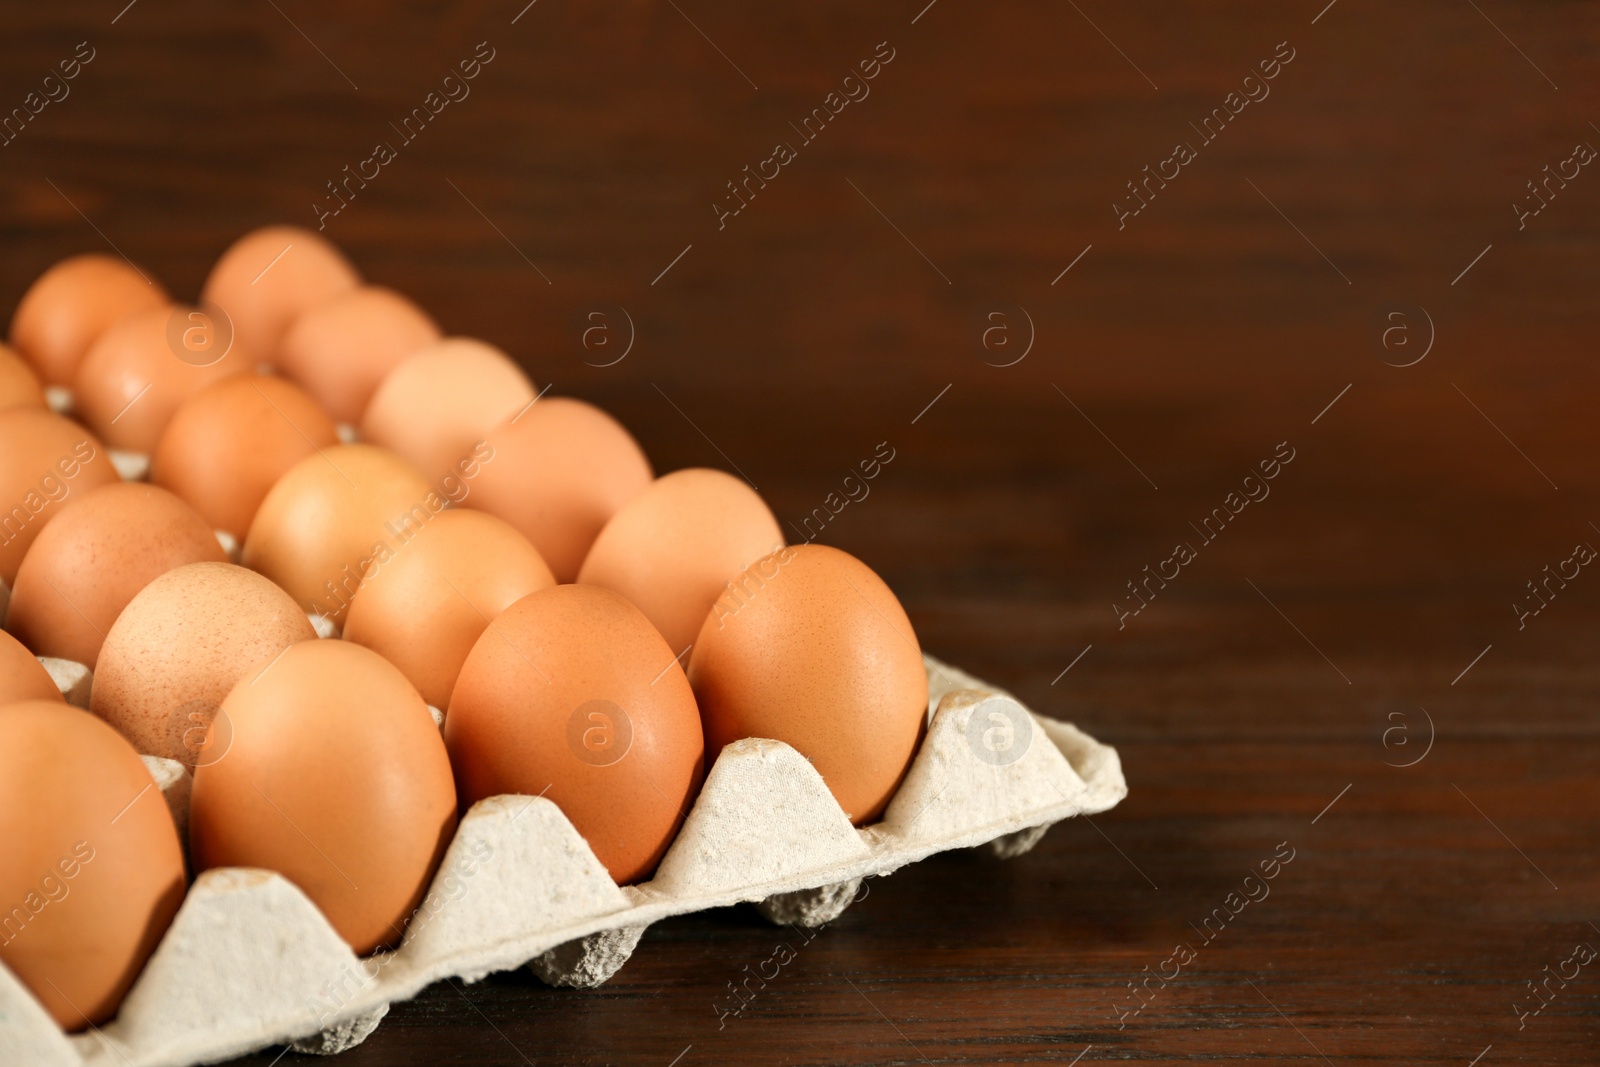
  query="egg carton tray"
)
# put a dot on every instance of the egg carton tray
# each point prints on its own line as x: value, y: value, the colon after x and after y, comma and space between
x: 250, y: 962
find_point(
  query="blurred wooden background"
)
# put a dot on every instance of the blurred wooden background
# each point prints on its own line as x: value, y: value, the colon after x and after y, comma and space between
x: 1268, y: 679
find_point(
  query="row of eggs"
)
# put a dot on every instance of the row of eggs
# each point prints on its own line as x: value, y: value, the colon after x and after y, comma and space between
x: 589, y: 632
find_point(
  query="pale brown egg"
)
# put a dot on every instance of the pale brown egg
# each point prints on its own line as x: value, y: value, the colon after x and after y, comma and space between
x: 229, y: 443
x: 71, y: 304
x: 22, y: 676
x: 558, y: 472
x: 571, y: 693
x: 141, y: 369
x: 342, y: 348
x: 673, y: 548
x: 19, y: 385
x: 336, y: 778
x: 424, y: 609
x: 45, y: 460
x: 92, y: 871
x: 179, y: 647
x: 811, y: 648
x: 269, y: 276
x: 444, y: 399
x: 95, y: 554
x: 333, y: 516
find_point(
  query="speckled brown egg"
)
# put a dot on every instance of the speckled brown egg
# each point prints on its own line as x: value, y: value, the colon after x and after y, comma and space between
x: 22, y: 676
x: 45, y: 460
x: 334, y: 516
x: 444, y: 399
x: 673, y: 548
x: 558, y: 472
x: 336, y: 778
x: 227, y: 445
x: 342, y: 348
x: 97, y: 552
x: 269, y: 276
x: 809, y: 647
x: 424, y: 609
x: 71, y: 304
x: 179, y: 647
x: 573, y: 694
x: 19, y: 385
x: 91, y: 872
x: 139, y: 370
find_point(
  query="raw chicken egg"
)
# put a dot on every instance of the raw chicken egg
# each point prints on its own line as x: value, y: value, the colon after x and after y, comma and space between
x: 560, y: 470
x: 444, y: 399
x: 424, y: 609
x: 179, y: 647
x: 811, y: 648
x: 71, y: 305
x: 226, y: 445
x: 336, y: 778
x: 22, y: 676
x: 332, y: 517
x: 343, y: 347
x: 44, y: 461
x: 92, y: 872
x: 571, y: 693
x: 96, y: 553
x: 19, y: 385
x: 268, y: 277
x: 673, y: 548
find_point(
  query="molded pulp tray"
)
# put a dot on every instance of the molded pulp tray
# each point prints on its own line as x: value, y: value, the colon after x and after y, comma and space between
x: 249, y: 961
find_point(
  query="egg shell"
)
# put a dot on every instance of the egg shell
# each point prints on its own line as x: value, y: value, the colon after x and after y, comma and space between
x: 571, y: 690
x: 343, y: 347
x: 22, y: 676
x: 444, y: 399
x: 673, y: 548
x: 559, y: 471
x: 67, y: 308
x: 226, y: 446
x: 92, y: 870
x: 330, y: 517
x: 336, y: 778
x: 45, y: 461
x: 19, y: 385
x: 424, y: 609
x: 269, y: 276
x: 809, y: 647
x: 140, y: 369
x: 93, y: 557
x: 180, y: 646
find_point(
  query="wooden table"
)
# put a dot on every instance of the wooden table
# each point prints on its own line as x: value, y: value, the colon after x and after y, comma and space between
x: 1363, y: 616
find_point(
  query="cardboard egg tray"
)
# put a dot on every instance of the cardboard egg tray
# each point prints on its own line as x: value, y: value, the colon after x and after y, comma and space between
x: 250, y: 962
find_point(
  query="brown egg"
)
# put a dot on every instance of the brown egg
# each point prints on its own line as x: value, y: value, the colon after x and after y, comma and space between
x: 229, y: 443
x: 444, y: 399
x: 342, y: 348
x: 332, y: 517
x: 141, y: 369
x: 19, y: 386
x: 809, y: 647
x: 44, y: 461
x: 91, y: 872
x: 571, y: 690
x: 673, y: 548
x: 558, y: 472
x: 22, y: 676
x: 424, y: 609
x: 179, y: 647
x: 336, y: 778
x: 71, y: 304
x: 269, y: 276
x: 94, y: 556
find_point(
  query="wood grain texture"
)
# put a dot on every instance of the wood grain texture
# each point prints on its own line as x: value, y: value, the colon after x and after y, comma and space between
x: 1177, y: 353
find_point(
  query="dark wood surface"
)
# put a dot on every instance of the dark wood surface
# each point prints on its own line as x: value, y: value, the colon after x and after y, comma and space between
x: 1255, y: 701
